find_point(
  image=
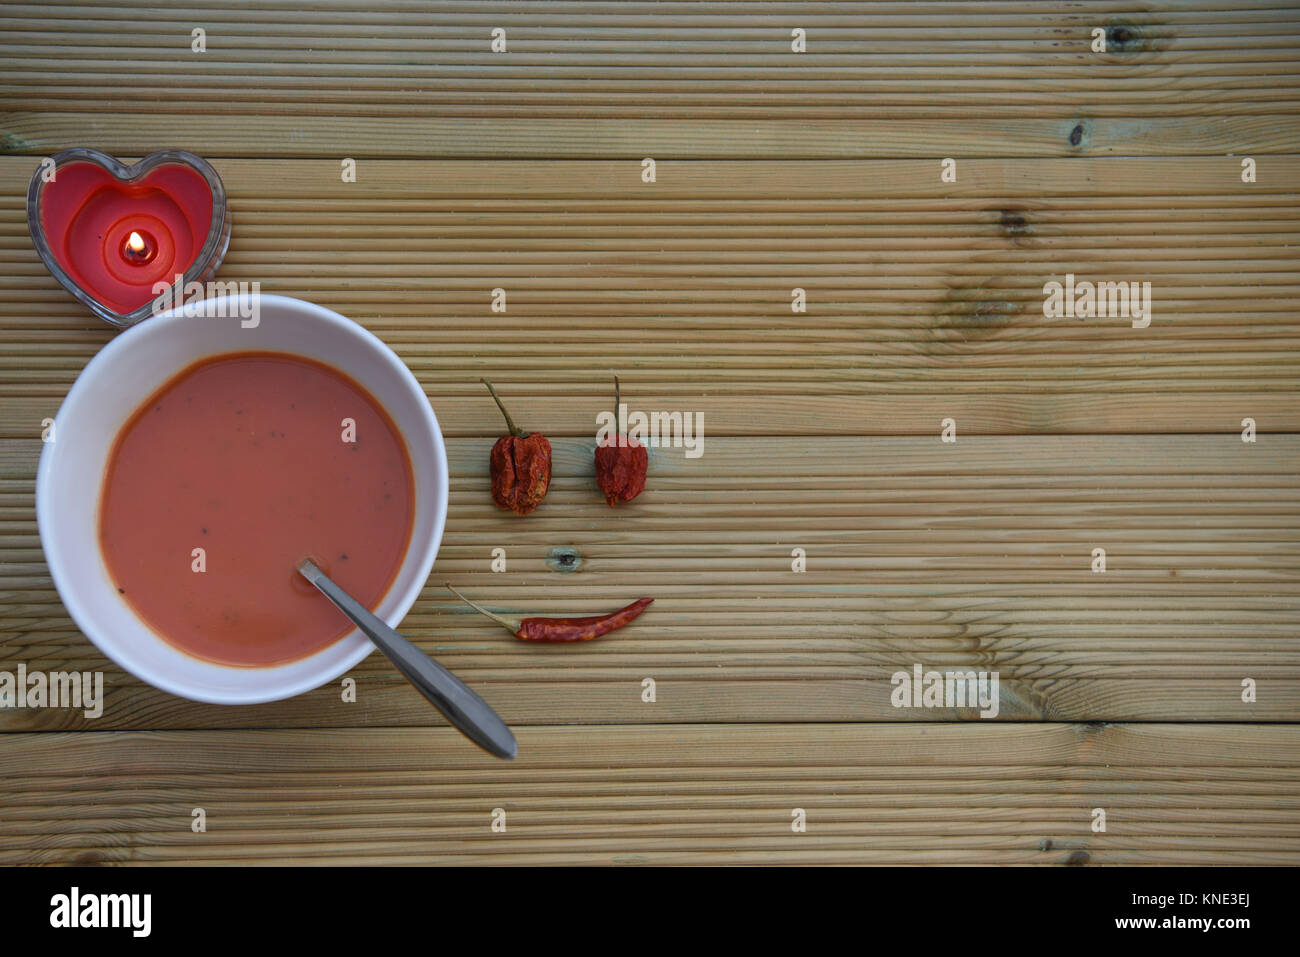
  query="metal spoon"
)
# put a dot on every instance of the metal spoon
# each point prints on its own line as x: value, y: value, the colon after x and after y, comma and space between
x: 458, y: 704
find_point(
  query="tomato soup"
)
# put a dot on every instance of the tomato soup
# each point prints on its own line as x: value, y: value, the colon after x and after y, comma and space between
x: 232, y: 472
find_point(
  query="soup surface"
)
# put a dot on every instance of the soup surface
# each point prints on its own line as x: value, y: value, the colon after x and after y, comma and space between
x: 248, y: 457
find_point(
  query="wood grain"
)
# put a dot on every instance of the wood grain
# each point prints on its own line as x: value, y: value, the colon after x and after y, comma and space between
x: 774, y: 170
x: 1201, y: 535
x: 925, y: 298
x: 696, y: 794
x: 611, y: 65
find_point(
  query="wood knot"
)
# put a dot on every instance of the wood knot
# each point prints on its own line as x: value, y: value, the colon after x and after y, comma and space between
x: 1077, y: 134
x: 988, y: 312
x: 1045, y: 844
x: 1014, y: 225
x: 1125, y: 38
x: 564, y: 558
x: 1078, y: 859
x: 970, y: 314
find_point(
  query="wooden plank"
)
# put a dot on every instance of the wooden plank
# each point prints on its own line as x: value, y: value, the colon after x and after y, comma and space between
x: 612, y: 65
x: 1221, y: 794
x: 920, y: 307
x: 43, y: 130
x: 776, y: 413
x: 775, y: 170
x: 591, y: 697
x: 1201, y: 588
x: 1194, y: 181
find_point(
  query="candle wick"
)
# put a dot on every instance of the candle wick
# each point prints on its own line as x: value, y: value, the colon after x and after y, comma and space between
x: 138, y: 248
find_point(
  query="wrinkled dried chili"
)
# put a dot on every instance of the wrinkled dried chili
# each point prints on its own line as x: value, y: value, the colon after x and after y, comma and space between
x: 540, y: 628
x: 621, y: 463
x: 520, y: 465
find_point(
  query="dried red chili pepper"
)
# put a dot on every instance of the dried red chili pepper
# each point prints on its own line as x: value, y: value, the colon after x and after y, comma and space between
x: 620, y: 463
x: 520, y: 465
x: 561, y: 629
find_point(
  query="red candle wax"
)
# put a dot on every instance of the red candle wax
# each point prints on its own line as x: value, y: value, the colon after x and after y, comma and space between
x: 89, y: 217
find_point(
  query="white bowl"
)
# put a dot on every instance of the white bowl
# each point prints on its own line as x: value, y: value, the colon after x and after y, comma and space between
x: 117, y: 381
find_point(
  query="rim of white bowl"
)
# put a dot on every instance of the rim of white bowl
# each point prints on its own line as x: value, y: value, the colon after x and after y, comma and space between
x: 312, y: 680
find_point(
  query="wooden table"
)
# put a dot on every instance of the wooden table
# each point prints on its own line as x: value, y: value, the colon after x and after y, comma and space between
x: 774, y: 170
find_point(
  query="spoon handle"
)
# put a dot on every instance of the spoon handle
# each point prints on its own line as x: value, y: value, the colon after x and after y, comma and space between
x: 458, y: 704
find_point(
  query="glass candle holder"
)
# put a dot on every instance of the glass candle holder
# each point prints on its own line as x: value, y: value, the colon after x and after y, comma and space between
x: 115, y: 235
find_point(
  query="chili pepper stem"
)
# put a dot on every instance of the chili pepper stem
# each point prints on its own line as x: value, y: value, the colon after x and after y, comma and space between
x: 616, y: 402
x: 510, y: 423
x: 515, y: 625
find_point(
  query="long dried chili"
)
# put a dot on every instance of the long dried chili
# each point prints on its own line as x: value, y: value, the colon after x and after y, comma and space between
x: 520, y: 465
x: 539, y: 628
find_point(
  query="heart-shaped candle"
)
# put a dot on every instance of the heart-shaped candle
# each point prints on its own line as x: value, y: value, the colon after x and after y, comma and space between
x: 112, y: 233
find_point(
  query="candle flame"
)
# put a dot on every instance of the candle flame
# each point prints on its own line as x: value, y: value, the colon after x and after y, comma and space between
x: 135, y: 242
